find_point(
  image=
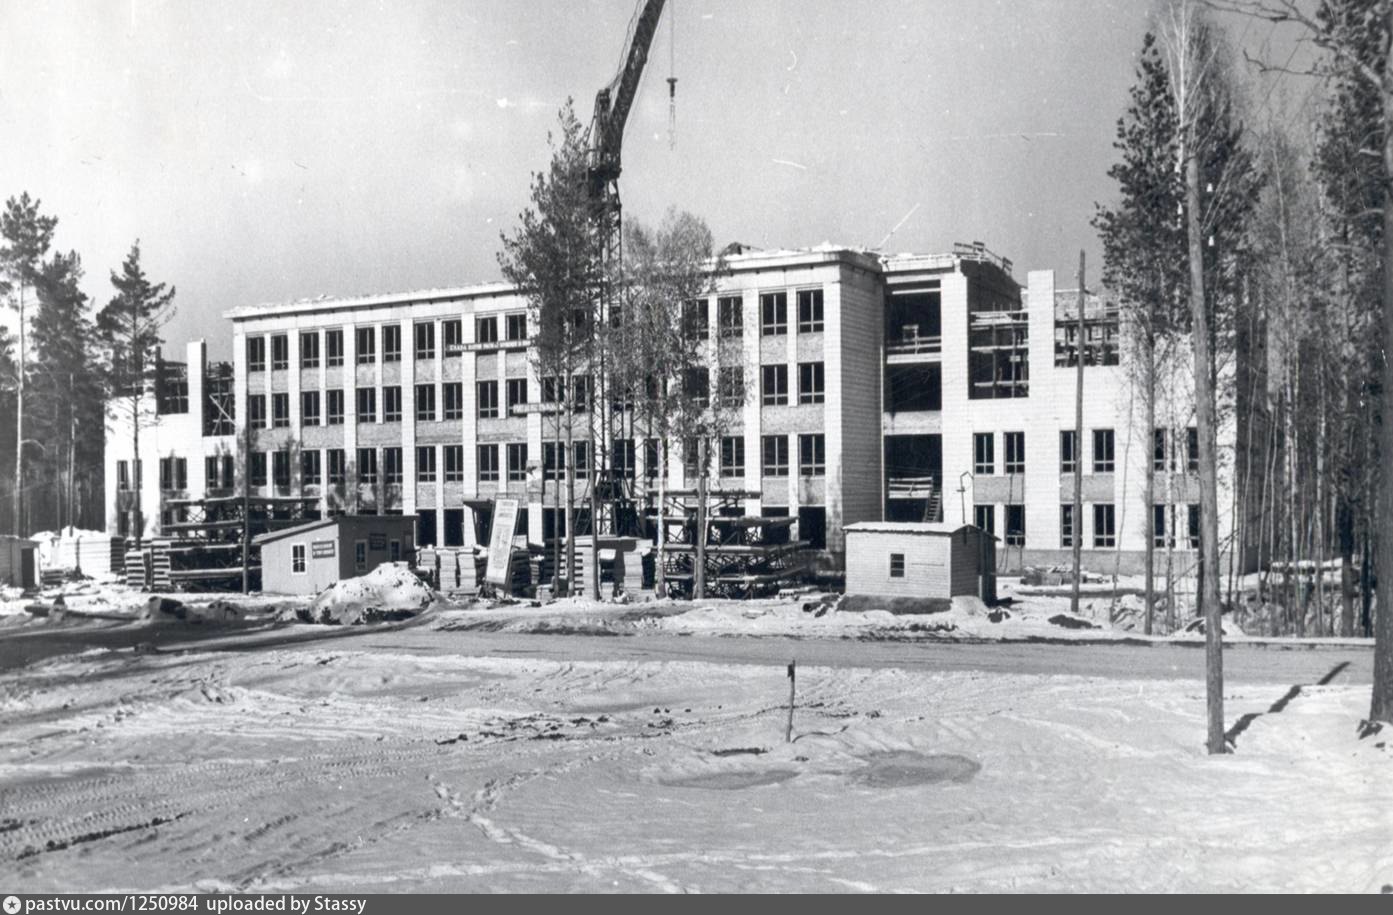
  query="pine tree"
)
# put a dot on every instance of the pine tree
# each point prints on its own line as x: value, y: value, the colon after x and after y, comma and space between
x: 26, y: 236
x: 128, y: 330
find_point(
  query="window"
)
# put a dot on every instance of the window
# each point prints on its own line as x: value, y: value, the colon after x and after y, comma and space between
x: 257, y: 470
x: 280, y: 410
x: 774, y: 455
x: 774, y: 385
x: 454, y: 463
x: 280, y: 468
x: 392, y: 464
x: 174, y: 473
x: 553, y: 389
x: 517, y: 462
x: 366, y: 338
x: 730, y: 316
x: 1015, y: 525
x: 211, y: 468
x: 810, y: 382
x: 297, y: 559
x: 691, y: 456
x: 256, y: 354
x: 1158, y: 450
x: 452, y: 395
x: 367, y: 405
x: 1158, y: 526
x: 309, y: 408
x: 454, y: 526
x: 1066, y: 525
x: 256, y: 411
x: 810, y: 311
x: 452, y: 336
x: 1192, y: 450
x: 367, y: 465
x: 309, y: 350
x: 391, y: 404
x: 488, y: 463
x: 486, y: 330
x: 425, y: 527
x: 333, y: 348
x: 1103, y: 459
x: 984, y: 516
x: 621, y: 460
x: 812, y: 455
x: 696, y: 385
x: 1067, y: 451
x: 517, y: 393
x: 423, y: 339
x: 984, y: 454
x: 515, y: 327
x: 580, y: 460
x: 280, y: 352
x: 1193, y: 527
x: 1015, y: 452
x: 333, y: 410
x: 338, y: 470
x: 897, y: 565
x: 425, y: 402
x: 695, y: 319
x: 391, y: 342
x: 651, y: 458
x: 553, y: 460
x: 425, y: 463
x: 360, y: 555
x: 311, y: 470
x: 730, y: 385
x: 1104, y: 534
x: 732, y: 456
x: 580, y: 392
x: 773, y: 314
x: 488, y: 400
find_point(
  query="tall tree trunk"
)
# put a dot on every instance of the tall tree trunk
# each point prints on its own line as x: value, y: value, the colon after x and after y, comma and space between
x: 1209, y: 502
x: 1381, y: 700
x: 1077, y: 533
x: 1150, y: 571
x: 699, y: 562
x: 18, y: 522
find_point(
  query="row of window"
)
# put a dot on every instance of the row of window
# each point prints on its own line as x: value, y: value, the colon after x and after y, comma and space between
x: 731, y: 391
x: 1104, y: 524
x: 367, y: 338
x: 1104, y: 452
x: 773, y: 315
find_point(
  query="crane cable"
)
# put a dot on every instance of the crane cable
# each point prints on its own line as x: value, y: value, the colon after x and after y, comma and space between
x: 672, y: 78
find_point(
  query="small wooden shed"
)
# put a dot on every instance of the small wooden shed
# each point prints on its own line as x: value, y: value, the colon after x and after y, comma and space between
x: 309, y: 557
x: 920, y: 560
x: 18, y: 562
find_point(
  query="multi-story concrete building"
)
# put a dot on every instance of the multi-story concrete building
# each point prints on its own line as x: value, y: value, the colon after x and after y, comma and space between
x: 869, y: 387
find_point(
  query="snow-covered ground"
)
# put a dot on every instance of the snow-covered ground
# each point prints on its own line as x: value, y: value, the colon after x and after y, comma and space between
x: 394, y: 763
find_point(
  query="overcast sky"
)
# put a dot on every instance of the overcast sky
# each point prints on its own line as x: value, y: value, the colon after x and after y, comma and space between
x: 267, y: 151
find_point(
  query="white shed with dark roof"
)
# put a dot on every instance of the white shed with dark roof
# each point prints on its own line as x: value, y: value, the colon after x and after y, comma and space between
x: 920, y: 560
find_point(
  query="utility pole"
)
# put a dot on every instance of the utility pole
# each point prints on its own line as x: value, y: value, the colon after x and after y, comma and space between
x: 19, y: 418
x: 699, y: 562
x: 1076, y: 534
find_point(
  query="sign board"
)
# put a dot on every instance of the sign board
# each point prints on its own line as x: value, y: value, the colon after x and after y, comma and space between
x: 322, y: 549
x: 377, y: 541
x: 500, y: 563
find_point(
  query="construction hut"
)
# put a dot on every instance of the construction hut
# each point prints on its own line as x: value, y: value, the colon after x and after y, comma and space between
x: 309, y: 557
x: 920, y: 560
x: 18, y: 562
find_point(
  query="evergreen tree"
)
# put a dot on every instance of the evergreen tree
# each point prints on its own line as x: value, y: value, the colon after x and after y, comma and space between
x: 26, y: 237
x: 128, y: 331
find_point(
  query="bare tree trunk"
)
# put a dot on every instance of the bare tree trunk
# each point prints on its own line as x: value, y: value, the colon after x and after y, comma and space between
x: 699, y: 562
x: 1150, y: 572
x: 1209, y: 502
x: 18, y: 495
x: 1077, y: 533
x: 1381, y: 700
x: 660, y: 563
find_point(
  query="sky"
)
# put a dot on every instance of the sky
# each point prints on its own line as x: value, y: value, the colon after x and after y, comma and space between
x: 266, y: 151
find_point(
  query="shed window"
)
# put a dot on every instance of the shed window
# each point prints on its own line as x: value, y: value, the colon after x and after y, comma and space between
x: 360, y: 555
x: 297, y: 558
x: 897, y: 565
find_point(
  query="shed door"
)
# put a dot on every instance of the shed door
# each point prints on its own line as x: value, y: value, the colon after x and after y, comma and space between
x: 26, y: 569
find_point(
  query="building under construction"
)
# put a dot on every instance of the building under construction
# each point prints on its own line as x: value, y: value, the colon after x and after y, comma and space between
x: 872, y: 387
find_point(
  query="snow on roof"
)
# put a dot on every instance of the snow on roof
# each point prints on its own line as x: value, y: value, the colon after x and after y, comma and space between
x: 324, y: 522
x: 907, y: 527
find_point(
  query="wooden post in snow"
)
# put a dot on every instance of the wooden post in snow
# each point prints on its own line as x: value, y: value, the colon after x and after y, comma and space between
x: 792, y: 679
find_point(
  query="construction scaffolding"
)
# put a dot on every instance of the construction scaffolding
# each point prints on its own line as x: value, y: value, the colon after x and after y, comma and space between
x: 744, y: 556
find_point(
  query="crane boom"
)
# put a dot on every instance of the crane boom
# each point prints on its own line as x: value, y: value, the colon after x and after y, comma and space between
x: 613, y: 102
